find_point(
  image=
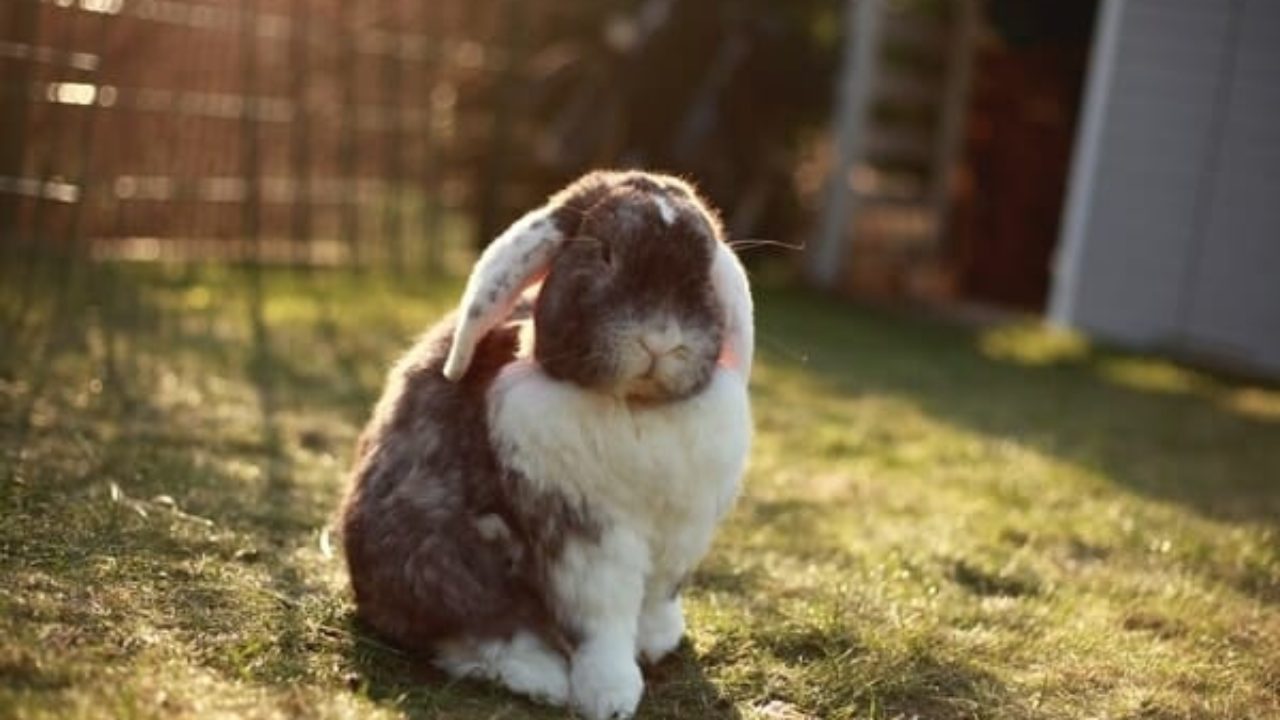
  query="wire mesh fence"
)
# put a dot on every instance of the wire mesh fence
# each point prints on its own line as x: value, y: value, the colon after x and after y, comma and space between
x: 373, y: 133
x: 302, y: 131
x: 169, y: 169
x: 147, y: 146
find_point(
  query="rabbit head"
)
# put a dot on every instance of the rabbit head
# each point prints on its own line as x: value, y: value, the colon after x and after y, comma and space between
x: 640, y: 295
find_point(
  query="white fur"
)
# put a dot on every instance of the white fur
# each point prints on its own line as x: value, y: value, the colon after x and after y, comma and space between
x: 667, y: 472
x: 604, y: 679
x: 665, y: 209
x: 511, y: 263
x: 661, y: 627
x: 523, y: 663
x: 521, y: 255
x: 657, y: 478
x: 729, y: 279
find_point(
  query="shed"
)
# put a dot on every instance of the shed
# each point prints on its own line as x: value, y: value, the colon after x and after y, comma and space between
x: 1171, y: 236
x: 1115, y: 165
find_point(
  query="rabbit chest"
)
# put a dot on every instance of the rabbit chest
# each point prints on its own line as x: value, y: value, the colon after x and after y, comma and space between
x: 666, y: 473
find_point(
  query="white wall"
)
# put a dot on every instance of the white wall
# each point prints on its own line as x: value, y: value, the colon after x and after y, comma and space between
x: 1172, y: 232
x: 1234, y: 304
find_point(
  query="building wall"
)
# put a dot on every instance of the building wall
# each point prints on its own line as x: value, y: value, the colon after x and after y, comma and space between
x: 1234, y: 302
x: 1172, y: 238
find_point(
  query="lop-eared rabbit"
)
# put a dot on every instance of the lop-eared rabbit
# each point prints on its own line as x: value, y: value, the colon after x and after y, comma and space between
x: 548, y: 464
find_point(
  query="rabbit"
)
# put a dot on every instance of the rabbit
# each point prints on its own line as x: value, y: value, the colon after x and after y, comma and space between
x: 549, y: 463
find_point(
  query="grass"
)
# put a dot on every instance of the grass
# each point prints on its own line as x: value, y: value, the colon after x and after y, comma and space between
x: 938, y: 523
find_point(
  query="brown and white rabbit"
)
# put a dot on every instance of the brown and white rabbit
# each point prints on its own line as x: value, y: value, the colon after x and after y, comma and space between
x: 527, y: 514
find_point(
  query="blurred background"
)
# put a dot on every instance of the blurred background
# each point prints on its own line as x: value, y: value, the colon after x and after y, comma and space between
x: 918, y: 149
x: 384, y: 133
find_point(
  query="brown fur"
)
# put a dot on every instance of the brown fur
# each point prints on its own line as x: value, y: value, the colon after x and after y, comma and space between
x: 441, y: 540
x: 425, y: 474
x: 623, y: 262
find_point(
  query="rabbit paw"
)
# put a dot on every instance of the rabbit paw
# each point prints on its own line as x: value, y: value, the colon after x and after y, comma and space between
x: 661, y: 628
x: 605, y: 684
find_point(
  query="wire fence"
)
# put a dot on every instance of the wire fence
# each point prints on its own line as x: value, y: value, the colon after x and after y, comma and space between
x: 236, y: 146
x: 339, y: 132
x: 385, y: 133
x: 246, y: 152
x: 238, y: 192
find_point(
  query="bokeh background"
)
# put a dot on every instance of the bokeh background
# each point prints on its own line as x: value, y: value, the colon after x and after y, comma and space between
x: 1017, y: 268
x: 385, y: 133
x: 380, y: 133
x: 929, y: 150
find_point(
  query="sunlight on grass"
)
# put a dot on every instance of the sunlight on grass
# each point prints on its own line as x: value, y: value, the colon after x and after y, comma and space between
x: 1032, y: 344
x: 1152, y: 375
x: 1005, y: 524
x: 1256, y: 402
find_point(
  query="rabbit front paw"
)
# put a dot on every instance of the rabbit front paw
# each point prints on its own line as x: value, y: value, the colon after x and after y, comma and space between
x: 661, y: 627
x: 605, y: 682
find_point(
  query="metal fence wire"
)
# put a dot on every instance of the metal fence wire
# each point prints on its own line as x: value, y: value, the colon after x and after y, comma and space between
x: 330, y: 132
x: 178, y: 177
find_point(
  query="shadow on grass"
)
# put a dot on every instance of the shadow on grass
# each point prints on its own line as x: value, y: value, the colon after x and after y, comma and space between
x: 411, y: 685
x: 1181, y: 444
x: 1146, y: 425
x: 144, y: 509
x: 832, y: 672
x: 248, y: 607
x: 677, y: 687
x: 117, y: 503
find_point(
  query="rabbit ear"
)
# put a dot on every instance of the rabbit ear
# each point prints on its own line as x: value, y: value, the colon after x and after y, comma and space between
x: 729, y: 280
x: 511, y: 263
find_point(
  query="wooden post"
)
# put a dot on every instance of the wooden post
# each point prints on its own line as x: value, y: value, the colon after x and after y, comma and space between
x: 300, y: 149
x: 393, y: 135
x: 22, y: 17
x: 86, y: 180
x: 58, y: 134
x: 348, y: 160
x: 826, y: 253
x: 251, y: 209
x: 494, y: 174
x: 431, y: 176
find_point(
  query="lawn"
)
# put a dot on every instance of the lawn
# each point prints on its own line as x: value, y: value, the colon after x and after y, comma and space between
x: 939, y: 522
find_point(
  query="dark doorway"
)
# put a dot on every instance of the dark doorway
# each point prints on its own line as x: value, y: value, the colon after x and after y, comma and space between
x: 1028, y: 77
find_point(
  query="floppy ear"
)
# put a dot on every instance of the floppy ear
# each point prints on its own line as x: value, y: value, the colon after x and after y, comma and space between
x: 729, y: 280
x: 511, y: 263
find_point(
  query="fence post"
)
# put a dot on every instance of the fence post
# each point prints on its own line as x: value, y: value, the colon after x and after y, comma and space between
x: 495, y: 171
x: 393, y: 137
x: 347, y: 152
x: 430, y: 173
x: 60, y: 133
x: 15, y: 99
x: 85, y: 178
x: 251, y: 209
x: 300, y: 59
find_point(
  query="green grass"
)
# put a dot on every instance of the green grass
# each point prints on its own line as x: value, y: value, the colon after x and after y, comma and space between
x: 938, y: 523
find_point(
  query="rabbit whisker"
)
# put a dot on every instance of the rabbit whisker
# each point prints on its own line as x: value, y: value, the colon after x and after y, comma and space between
x: 750, y: 243
x: 781, y: 348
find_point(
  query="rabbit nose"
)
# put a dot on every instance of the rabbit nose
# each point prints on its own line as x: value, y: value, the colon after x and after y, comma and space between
x: 661, y: 342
